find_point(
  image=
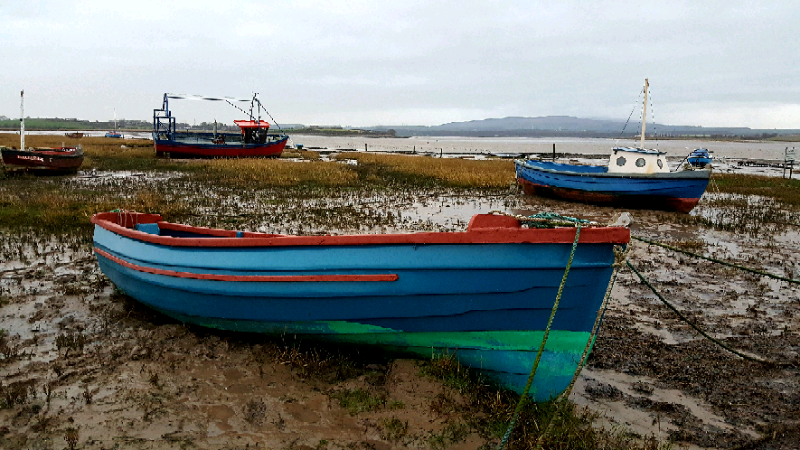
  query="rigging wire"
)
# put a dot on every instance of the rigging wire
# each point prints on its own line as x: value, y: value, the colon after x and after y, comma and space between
x: 229, y: 100
x: 631, y: 114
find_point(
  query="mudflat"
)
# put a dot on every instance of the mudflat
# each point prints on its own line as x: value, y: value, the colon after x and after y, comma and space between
x: 84, y: 366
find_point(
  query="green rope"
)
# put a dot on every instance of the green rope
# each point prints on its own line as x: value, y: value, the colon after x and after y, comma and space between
x: 619, y: 258
x: 724, y: 263
x: 703, y: 333
x: 547, y: 219
x: 524, y: 396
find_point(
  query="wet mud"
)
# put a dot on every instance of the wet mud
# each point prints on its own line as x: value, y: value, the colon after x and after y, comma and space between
x: 84, y: 366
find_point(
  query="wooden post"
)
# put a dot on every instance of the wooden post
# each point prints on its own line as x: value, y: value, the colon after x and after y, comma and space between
x: 22, y: 120
x: 554, y: 152
x: 365, y: 147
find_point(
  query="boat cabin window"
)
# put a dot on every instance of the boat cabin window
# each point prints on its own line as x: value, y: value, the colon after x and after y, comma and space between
x: 255, y: 136
x: 640, y: 162
x: 660, y: 163
x: 621, y: 161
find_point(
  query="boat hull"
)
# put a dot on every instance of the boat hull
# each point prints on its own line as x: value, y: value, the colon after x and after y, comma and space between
x: 484, y: 299
x: 673, y: 191
x: 55, y: 161
x: 181, y: 149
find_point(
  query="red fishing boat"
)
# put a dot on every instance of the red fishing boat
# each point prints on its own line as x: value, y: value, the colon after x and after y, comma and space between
x: 253, y: 141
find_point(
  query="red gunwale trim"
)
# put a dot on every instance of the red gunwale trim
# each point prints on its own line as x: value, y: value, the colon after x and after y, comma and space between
x: 477, y: 235
x: 247, y: 278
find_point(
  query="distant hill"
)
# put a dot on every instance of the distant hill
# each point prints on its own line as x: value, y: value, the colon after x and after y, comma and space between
x: 56, y: 123
x: 553, y: 126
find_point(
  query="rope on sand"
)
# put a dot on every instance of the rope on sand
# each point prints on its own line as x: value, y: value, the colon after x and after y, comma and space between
x: 753, y: 358
x: 718, y: 261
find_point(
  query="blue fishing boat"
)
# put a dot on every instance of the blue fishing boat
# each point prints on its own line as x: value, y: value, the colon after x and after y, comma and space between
x: 672, y: 191
x: 484, y: 295
x: 633, y: 177
x: 699, y: 158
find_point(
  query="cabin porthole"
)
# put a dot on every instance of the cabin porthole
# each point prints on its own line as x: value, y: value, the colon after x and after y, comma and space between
x: 621, y: 161
x: 660, y: 164
x: 640, y: 162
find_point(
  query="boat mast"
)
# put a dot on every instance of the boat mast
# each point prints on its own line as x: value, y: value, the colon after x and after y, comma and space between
x: 21, y: 120
x: 644, y: 111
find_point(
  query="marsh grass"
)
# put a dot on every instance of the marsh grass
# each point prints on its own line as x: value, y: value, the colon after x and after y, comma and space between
x: 42, y: 205
x: 426, y: 171
x: 261, y: 173
x: 358, y: 400
x: 783, y: 190
x: 393, y: 429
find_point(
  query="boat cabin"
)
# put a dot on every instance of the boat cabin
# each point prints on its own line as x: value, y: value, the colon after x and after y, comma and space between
x: 637, y: 160
x: 253, y: 131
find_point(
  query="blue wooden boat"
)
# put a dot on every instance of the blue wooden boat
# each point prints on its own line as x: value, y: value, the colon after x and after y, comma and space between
x: 484, y: 295
x: 699, y: 158
x: 672, y: 191
x: 633, y: 177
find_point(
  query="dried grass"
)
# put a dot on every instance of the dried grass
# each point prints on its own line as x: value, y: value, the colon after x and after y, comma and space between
x: 425, y: 171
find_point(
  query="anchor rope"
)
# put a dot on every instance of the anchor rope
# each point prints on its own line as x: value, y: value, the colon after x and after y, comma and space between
x: 718, y: 261
x: 524, y: 396
x: 757, y: 359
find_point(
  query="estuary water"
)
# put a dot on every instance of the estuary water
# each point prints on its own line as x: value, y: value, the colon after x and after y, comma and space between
x: 516, y: 145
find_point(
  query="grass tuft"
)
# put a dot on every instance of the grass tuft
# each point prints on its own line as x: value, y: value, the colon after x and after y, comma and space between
x: 358, y: 400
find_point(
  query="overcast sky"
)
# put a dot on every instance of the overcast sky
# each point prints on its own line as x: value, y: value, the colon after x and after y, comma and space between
x: 363, y: 63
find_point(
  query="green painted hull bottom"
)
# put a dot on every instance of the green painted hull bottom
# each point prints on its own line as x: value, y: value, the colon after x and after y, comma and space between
x: 505, y: 357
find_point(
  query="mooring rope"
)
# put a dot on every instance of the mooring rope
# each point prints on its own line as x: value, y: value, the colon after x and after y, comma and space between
x: 524, y: 395
x: 724, y: 263
x: 757, y: 359
x: 619, y: 259
x: 548, y: 219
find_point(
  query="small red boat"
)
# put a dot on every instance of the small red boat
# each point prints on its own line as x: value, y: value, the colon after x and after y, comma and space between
x: 253, y: 141
x: 49, y: 160
x: 56, y: 160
